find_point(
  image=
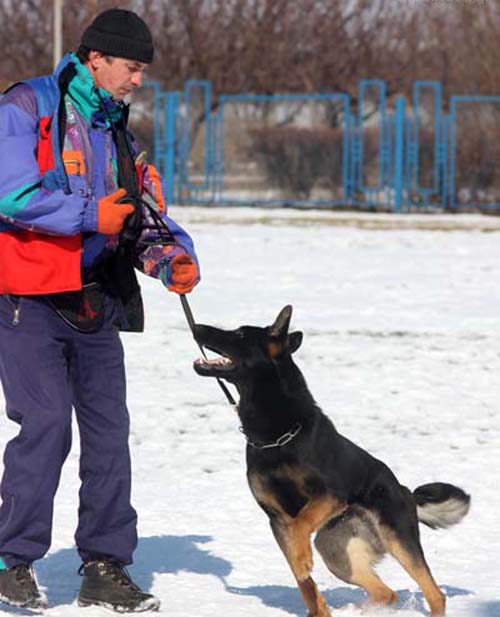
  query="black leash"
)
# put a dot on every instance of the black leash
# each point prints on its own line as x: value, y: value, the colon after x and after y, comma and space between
x: 278, y: 443
x: 133, y: 224
x: 191, y: 322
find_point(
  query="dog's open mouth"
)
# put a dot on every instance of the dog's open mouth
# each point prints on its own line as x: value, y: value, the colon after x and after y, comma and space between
x: 213, y: 366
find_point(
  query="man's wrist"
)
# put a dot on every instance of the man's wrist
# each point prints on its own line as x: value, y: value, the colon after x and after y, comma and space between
x: 89, y: 222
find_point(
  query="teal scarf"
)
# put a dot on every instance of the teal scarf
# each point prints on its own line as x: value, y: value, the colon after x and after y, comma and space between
x: 86, y: 97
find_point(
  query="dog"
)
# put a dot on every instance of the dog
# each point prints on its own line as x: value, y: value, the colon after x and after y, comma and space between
x: 309, y: 479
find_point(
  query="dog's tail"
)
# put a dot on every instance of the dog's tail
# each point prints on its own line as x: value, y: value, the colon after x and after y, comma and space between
x: 441, y: 505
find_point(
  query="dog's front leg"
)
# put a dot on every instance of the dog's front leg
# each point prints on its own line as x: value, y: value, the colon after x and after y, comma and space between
x: 294, y: 538
x: 314, y: 601
x: 300, y: 528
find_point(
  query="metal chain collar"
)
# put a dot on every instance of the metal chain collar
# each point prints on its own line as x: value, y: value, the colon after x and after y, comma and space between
x: 281, y: 441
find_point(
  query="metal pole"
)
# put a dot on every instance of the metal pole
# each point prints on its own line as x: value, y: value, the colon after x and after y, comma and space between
x: 171, y: 110
x: 398, y: 167
x: 57, y: 31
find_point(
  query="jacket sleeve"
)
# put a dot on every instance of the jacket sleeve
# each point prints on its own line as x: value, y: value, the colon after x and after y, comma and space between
x: 24, y: 203
x: 153, y: 254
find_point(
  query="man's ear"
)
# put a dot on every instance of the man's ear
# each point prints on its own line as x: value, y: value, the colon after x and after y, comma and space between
x: 294, y: 341
x: 95, y: 57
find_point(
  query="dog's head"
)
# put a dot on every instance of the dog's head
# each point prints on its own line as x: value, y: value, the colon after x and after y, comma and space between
x: 247, y: 348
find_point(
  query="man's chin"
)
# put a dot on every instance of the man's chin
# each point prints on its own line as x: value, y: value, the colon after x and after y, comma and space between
x: 122, y: 98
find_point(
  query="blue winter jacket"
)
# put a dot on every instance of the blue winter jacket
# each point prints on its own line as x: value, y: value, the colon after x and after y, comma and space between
x: 49, y: 190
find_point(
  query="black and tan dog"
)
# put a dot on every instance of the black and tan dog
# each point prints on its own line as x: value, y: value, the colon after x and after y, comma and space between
x: 308, y: 478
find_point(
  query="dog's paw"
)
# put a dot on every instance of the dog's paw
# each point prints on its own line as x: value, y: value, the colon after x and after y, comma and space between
x: 322, y: 611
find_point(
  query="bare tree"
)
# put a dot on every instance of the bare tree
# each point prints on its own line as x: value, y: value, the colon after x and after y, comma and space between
x: 268, y: 46
x: 26, y: 32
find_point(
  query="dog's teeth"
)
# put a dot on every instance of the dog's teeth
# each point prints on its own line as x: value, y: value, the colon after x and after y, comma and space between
x: 221, y: 360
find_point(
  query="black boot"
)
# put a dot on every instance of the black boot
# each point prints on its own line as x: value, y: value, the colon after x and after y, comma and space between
x: 18, y: 587
x: 107, y: 584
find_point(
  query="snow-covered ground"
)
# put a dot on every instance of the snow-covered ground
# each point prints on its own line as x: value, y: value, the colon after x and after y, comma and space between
x: 401, y: 316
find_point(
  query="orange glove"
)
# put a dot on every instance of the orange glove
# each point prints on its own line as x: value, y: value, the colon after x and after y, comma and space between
x: 183, y: 274
x: 111, y: 215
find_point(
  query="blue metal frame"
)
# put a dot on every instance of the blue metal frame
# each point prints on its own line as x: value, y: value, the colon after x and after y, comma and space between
x: 169, y: 171
x: 455, y: 101
x: 206, y: 88
x: 399, y: 154
x: 275, y: 98
x: 444, y: 157
x: 157, y: 94
x: 398, y: 181
x: 426, y: 192
x: 363, y: 86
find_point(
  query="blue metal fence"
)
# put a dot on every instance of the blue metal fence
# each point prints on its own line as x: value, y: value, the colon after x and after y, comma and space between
x: 317, y: 150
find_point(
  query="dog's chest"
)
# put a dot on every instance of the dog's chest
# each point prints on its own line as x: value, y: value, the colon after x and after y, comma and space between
x: 283, y: 491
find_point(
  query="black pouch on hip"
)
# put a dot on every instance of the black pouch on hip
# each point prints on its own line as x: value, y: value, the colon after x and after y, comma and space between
x: 83, y: 310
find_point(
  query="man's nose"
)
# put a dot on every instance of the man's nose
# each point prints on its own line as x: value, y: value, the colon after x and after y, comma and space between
x: 137, y: 79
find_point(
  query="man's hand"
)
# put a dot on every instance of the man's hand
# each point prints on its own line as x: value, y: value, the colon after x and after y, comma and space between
x: 111, y: 214
x: 183, y: 274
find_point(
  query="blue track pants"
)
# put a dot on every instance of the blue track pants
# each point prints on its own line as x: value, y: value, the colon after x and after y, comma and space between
x: 46, y: 368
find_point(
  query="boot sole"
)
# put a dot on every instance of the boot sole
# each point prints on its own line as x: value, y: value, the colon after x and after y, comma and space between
x: 39, y: 604
x: 152, y: 607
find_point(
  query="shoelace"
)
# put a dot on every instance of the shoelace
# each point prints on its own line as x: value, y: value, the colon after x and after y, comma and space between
x: 118, y: 573
x: 24, y: 574
x: 121, y: 576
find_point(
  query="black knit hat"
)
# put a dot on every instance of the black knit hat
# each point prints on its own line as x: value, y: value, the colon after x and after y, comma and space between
x: 120, y: 33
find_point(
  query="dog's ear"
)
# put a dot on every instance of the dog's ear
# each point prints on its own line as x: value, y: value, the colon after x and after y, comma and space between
x: 277, y: 348
x: 279, y: 329
x: 294, y: 341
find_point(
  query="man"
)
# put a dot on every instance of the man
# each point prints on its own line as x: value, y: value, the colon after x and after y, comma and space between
x: 79, y: 208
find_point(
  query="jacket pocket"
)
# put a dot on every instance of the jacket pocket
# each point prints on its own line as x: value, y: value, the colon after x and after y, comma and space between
x: 74, y: 163
x: 78, y: 185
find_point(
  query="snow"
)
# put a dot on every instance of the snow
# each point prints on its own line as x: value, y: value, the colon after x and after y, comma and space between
x: 401, y: 317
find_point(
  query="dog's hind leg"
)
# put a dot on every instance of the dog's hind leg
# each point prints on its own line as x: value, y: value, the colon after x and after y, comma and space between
x: 414, y: 563
x: 350, y: 547
x: 401, y: 538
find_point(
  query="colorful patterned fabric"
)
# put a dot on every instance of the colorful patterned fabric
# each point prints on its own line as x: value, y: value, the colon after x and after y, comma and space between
x: 86, y: 97
x: 48, y: 201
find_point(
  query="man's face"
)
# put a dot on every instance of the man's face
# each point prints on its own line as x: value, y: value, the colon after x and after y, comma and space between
x: 119, y: 76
